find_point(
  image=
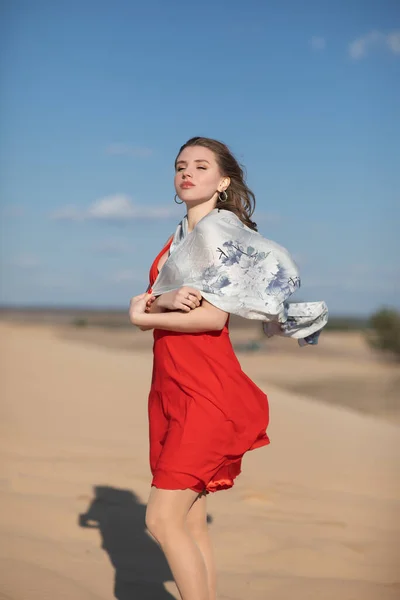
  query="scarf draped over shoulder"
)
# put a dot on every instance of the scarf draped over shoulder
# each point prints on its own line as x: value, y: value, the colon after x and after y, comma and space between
x: 239, y: 271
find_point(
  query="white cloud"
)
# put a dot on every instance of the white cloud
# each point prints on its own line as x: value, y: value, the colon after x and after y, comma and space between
x: 360, y: 47
x: 117, y: 208
x: 119, y: 149
x: 318, y: 42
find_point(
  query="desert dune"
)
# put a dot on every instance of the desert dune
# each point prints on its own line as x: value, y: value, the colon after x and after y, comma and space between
x: 315, y: 515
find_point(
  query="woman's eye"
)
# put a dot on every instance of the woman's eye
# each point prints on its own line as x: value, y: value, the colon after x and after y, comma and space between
x: 181, y: 169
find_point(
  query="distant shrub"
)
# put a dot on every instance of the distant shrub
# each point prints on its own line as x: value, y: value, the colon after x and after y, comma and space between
x: 80, y: 322
x: 384, y: 331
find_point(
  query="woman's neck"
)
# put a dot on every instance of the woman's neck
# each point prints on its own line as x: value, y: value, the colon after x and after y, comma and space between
x: 197, y: 212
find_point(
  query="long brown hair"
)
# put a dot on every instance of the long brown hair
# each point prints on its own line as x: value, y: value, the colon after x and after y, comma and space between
x: 241, y: 199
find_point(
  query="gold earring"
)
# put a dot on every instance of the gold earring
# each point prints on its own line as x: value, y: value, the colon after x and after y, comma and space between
x: 223, y: 196
x: 176, y: 195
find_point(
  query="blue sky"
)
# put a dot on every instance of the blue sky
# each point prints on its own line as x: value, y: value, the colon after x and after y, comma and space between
x: 97, y: 97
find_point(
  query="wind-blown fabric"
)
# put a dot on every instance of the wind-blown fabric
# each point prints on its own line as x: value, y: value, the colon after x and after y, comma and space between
x: 239, y: 271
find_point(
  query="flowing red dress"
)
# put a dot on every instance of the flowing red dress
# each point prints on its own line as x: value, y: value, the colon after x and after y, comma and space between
x: 204, y: 412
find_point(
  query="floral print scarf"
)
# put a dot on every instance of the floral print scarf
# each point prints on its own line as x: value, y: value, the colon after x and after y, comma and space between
x: 239, y: 271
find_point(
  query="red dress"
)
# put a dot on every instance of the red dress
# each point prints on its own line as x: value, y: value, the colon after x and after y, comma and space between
x: 204, y: 412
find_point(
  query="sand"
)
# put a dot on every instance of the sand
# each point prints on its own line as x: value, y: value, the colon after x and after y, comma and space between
x: 315, y: 515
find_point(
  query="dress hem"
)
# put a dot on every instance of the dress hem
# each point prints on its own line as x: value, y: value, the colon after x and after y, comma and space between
x: 218, y: 484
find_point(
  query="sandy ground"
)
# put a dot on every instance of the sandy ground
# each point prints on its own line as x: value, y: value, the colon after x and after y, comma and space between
x: 315, y: 515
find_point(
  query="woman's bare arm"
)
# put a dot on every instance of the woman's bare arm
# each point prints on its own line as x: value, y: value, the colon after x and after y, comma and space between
x: 206, y: 317
x: 183, y: 299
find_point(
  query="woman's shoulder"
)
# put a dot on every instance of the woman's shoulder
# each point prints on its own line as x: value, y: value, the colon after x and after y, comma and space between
x: 223, y: 224
x: 217, y: 218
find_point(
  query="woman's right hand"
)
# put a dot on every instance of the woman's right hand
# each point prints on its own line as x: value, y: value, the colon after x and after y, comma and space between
x: 184, y: 299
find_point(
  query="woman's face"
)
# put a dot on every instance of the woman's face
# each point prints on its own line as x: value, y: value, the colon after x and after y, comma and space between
x: 197, y: 176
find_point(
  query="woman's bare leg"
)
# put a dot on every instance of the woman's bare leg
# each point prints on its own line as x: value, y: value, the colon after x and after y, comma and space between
x: 196, y: 522
x: 166, y: 520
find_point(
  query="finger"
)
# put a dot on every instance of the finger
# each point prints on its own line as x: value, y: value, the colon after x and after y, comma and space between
x: 184, y: 308
x: 196, y: 293
x: 194, y: 299
x: 189, y: 290
x: 189, y: 300
x: 189, y: 303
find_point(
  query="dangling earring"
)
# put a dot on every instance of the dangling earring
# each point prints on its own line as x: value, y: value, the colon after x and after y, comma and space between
x: 176, y: 195
x: 223, y: 196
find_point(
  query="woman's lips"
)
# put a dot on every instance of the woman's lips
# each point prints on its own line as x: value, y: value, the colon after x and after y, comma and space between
x: 186, y: 185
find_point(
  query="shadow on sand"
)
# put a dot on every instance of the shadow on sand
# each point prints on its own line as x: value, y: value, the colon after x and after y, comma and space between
x: 140, y: 566
x: 139, y: 563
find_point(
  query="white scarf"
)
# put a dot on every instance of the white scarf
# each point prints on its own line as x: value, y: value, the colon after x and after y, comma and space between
x: 239, y: 271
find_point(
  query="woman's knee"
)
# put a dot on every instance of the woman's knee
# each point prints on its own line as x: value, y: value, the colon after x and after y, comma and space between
x: 154, y: 523
x: 160, y: 524
x: 166, y: 511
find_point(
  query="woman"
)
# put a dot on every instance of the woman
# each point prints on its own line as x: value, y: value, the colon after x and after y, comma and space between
x: 204, y: 412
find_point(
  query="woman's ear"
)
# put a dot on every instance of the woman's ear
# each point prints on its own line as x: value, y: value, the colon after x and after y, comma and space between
x: 225, y: 183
